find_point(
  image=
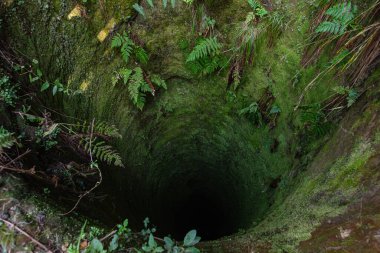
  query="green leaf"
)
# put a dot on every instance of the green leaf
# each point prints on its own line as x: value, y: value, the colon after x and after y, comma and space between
x: 165, y: 3
x: 39, y: 73
x: 152, y: 243
x: 141, y: 55
x: 275, y: 109
x: 125, y: 223
x: 192, y: 250
x: 172, y: 3
x: 96, y: 246
x: 114, y: 243
x: 55, y: 89
x: 158, y: 250
x: 189, y: 238
x: 139, y: 9
x: 169, y: 243
x: 125, y: 74
x: 33, y: 79
x: 116, y: 41
x: 150, y: 2
x: 45, y: 86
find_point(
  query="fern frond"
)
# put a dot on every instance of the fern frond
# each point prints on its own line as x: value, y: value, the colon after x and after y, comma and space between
x: 125, y: 73
x: 139, y: 9
x: 126, y: 51
x: 205, y: 47
x: 101, y: 151
x: 141, y: 55
x: 150, y: 2
x: 136, y: 85
x: 330, y: 27
x: 117, y: 41
x: 6, y: 139
x: 99, y: 128
x: 157, y: 80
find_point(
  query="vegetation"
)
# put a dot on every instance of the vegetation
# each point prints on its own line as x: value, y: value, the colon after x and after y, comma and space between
x: 121, y: 238
x: 269, y: 118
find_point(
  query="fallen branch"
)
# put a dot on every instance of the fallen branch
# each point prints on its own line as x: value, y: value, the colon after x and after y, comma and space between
x: 12, y: 225
x: 97, y: 183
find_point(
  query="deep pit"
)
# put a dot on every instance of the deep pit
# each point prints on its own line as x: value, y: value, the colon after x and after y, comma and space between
x: 195, y: 169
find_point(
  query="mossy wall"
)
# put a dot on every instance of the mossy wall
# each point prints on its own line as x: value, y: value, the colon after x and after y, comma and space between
x: 189, y: 141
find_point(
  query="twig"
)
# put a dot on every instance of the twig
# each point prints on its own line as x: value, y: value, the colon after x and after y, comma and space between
x: 100, y: 175
x: 12, y: 225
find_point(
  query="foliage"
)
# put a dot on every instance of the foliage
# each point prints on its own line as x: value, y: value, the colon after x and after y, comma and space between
x: 125, y: 44
x: 341, y: 17
x: 99, y: 128
x: 205, y: 58
x: 7, y: 139
x: 145, y: 241
x: 351, y: 94
x: 259, y: 10
x: 314, y: 120
x: 205, y: 47
x: 100, y: 150
x: 55, y: 86
x: 138, y: 83
x: 140, y: 10
x: 7, y: 91
x: 252, y: 112
x: 7, y: 238
x: 47, y: 136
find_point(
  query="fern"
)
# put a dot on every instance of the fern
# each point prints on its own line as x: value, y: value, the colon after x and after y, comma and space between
x: 125, y: 44
x: 101, y: 151
x: 139, y: 9
x: 157, y: 80
x: 99, y: 128
x: 205, y: 47
x: 141, y: 55
x: 150, y: 2
x: 236, y: 78
x: 258, y: 8
x: 6, y: 139
x: 314, y: 120
x: 136, y: 85
x: 341, y: 15
x: 330, y: 27
x: 125, y: 73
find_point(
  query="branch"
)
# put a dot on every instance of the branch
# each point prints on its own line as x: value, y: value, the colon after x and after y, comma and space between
x: 97, y: 183
x: 12, y: 225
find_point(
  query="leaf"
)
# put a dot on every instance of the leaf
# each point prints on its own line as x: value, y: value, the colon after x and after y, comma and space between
x: 45, y: 86
x: 275, y: 109
x: 125, y: 74
x: 39, y: 73
x: 165, y: 3
x: 114, y: 243
x: 189, y: 238
x: 192, y: 250
x: 152, y: 243
x: 50, y: 130
x: 96, y: 246
x: 158, y: 250
x: 169, y: 243
x: 33, y: 79
x: 141, y: 55
x: 150, y: 2
x: 172, y: 3
x: 116, y: 41
x: 139, y: 9
x: 55, y: 89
